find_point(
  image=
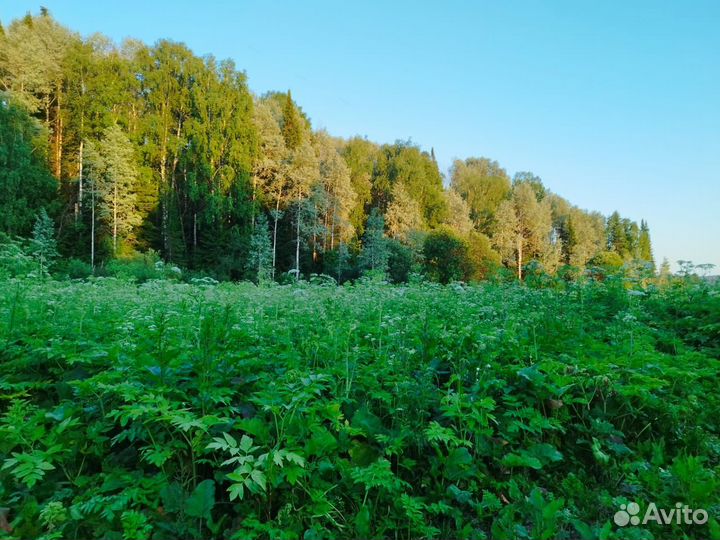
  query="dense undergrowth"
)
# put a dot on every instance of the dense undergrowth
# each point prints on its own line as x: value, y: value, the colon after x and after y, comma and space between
x: 173, y: 410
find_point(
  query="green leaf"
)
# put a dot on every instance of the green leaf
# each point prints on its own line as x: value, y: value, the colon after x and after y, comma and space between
x: 321, y: 443
x: 584, y: 530
x: 461, y: 496
x: 546, y: 453
x: 515, y: 460
x: 202, y: 500
x: 362, y: 523
x: 714, y: 529
x: 172, y: 497
x: 292, y: 473
x: 605, y: 532
x: 457, y: 463
x: 294, y: 458
x: 246, y: 443
x: 259, y: 478
x: 600, y: 456
x: 237, y: 491
x: 230, y: 440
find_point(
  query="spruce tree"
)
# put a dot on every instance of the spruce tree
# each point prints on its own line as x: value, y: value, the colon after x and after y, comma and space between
x: 43, y: 244
x: 259, y: 262
x: 292, y: 129
x: 374, y: 254
x: 644, y: 245
x: 342, y: 264
x: 616, y: 236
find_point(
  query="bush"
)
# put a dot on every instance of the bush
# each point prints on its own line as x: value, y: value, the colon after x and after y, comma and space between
x: 446, y: 257
x: 15, y: 260
x: 140, y: 268
x: 484, y: 259
x: 400, y: 261
x: 74, y: 269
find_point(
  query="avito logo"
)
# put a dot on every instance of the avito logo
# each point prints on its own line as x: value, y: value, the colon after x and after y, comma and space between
x: 682, y: 514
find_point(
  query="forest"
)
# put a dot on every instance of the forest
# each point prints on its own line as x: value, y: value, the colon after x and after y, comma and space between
x: 126, y: 153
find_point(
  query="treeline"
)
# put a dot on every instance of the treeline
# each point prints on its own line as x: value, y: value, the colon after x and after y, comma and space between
x: 134, y: 148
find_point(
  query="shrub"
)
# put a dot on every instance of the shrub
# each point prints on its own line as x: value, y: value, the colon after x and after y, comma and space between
x: 446, y: 257
x: 74, y: 269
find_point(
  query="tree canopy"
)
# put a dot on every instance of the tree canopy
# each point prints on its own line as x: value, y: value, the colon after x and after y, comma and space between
x: 133, y: 147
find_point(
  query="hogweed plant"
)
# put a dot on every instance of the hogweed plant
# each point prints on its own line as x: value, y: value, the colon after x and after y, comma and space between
x: 219, y: 410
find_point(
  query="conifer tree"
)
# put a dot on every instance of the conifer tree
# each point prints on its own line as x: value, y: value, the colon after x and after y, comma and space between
x: 616, y: 236
x: 292, y: 127
x: 342, y: 264
x: 43, y: 244
x: 644, y: 245
x: 259, y: 262
x: 374, y: 254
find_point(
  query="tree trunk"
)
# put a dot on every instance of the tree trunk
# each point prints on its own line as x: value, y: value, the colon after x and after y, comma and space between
x: 275, y: 227
x: 332, y: 228
x: 314, y: 240
x: 92, y: 229
x: 115, y: 205
x: 194, y: 232
x: 297, y: 243
x: 520, y: 256
x: 252, y: 221
x: 162, y: 188
x: 78, y: 206
x: 58, y: 137
x: 162, y: 195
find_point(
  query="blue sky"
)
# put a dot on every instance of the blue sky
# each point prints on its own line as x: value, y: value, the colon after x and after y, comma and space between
x: 615, y: 104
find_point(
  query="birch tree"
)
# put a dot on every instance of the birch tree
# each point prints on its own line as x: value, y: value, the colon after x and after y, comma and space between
x: 334, y: 176
x: 523, y: 230
x: 403, y: 214
x: 111, y: 168
x: 269, y: 178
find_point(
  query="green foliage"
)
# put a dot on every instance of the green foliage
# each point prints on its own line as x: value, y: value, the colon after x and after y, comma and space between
x: 140, y: 268
x: 483, y: 184
x: 136, y: 147
x: 374, y: 254
x: 174, y: 410
x: 483, y: 258
x: 259, y: 262
x: 608, y: 261
x: 15, y: 258
x: 291, y: 124
x: 401, y: 261
x: 410, y: 177
x: 446, y: 257
x: 43, y: 245
x: 26, y: 186
x: 111, y: 171
x: 73, y: 269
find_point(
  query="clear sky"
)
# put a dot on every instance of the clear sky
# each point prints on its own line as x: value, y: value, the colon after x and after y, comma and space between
x: 615, y: 104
